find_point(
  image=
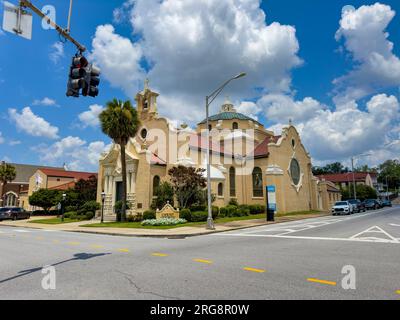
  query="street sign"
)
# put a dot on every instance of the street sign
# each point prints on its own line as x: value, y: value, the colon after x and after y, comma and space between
x: 17, y: 21
x: 271, y: 194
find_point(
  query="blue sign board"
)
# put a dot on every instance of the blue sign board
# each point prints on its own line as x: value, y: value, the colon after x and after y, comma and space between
x: 271, y: 194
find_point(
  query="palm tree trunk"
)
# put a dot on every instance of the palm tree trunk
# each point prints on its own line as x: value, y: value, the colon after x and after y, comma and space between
x: 123, y: 163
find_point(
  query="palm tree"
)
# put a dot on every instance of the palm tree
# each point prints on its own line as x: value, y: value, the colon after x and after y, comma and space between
x: 120, y: 122
x: 7, y: 174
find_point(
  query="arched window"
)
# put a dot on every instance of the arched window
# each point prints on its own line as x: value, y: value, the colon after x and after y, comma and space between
x: 143, y: 133
x: 209, y: 127
x: 156, y: 184
x: 235, y: 126
x: 220, y: 189
x: 257, y: 183
x: 232, y: 181
x: 11, y: 200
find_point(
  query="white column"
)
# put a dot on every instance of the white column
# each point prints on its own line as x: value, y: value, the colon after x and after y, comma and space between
x: 133, y: 182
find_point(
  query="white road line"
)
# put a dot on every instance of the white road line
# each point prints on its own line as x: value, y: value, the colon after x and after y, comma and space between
x: 374, y: 229
x: 310, y: 238
x: 394, y: 225
x: 22, y: 231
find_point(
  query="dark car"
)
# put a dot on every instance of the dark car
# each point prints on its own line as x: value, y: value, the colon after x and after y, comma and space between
x: 358, y: 205
x: 372, y: 204
x: 13, y: 213
x: 386, y: 203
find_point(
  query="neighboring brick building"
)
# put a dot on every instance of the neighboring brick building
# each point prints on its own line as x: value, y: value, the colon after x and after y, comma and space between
x: 344, y: 180
x: 15, y: 193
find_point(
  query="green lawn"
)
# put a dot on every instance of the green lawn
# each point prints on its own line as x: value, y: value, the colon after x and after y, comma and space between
x: 137, y: 225
x: 54, y: 221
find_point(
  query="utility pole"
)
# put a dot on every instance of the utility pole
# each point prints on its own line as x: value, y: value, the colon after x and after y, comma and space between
x: 64, y: 32
x: 354, y: 178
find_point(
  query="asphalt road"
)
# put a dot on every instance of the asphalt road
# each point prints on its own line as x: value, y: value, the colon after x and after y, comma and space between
x: 295, y: 260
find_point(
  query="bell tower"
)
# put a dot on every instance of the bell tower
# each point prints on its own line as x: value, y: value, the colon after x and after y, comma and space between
x: 146, y: 102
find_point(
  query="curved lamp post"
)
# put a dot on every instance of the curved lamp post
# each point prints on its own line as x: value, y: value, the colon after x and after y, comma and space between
x: 209, y: 99
x: 103, y: 198
x: 64, y: 197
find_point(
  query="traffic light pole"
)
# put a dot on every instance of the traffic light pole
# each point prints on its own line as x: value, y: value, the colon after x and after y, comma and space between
x: 63, y: 32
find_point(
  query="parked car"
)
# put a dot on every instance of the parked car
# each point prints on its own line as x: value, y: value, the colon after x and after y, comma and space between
x: 342, y: 207
x: 372, y: 204
x: 387, y: 203
x: 380, y: 203
x: 13, y: 213
x: 358, y: 206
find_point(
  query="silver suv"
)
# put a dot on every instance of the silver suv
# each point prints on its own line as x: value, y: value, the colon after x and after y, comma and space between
x: 342, y: 207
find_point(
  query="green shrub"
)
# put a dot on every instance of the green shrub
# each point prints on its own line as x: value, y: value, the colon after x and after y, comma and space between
x: 198, y: 207
x: 242, y: 211
x: 70, y: 208
x: 149, y: 214
x: 92, y: 206
x: 233, y: 202
x: 134, y: 217
x: 186, y: 214
x: 199, y: 216
x: 231, y: 210
x: 223, y: 212
x: 215, y: 212
x: 70, y: 215
x: 256, y: 209
x: 89, y: 215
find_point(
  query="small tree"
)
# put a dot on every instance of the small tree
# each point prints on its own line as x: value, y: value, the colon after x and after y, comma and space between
x: 45, y: 198
x: 7, y: 173
x: 187, y: 182
x: 163, y: 194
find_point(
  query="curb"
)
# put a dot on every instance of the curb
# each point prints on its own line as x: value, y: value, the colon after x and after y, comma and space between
x: 169, y: 236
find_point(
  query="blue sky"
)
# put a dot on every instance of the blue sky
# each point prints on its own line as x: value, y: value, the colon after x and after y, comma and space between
x: 30, y: 72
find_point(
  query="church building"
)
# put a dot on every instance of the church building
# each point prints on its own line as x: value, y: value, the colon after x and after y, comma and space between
x: 246, y: 160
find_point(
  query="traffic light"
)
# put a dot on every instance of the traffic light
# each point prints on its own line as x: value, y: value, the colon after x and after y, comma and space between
x: 83, y: 76
x: 92, y: 80
x: 77, y: 75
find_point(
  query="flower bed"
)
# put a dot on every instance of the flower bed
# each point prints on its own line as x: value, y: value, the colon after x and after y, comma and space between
x: 163, y: 222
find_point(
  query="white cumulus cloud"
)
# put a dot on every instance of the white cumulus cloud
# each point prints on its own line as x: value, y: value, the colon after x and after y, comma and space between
x: 365, y: 37
x: 57, y: 52
x: 46, y: 101
x: 90, y: 118
x: 74, y: 151
x: 32, y: 124
x: 192, y: 46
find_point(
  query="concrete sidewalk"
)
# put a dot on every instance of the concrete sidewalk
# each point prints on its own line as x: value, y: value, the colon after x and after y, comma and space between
x: 162, y: 233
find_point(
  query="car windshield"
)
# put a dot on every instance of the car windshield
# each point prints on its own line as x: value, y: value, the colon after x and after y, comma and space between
x: 353, y: 201
x: 3, y: 209
x: 342, y: 203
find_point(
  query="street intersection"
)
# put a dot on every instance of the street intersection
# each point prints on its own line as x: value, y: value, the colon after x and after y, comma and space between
x: 294, y: 260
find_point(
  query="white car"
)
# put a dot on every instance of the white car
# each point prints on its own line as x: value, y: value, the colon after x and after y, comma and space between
x: 342, y: 207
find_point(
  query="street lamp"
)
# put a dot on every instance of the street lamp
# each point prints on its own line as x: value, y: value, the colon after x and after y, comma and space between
x: 64, y: 197
x: 209, y: 99
x: 103, y: 198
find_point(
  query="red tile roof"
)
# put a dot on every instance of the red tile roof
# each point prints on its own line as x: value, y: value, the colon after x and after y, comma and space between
x: 68, y: 174
x: 155, y: 159
x: 344, y: 177
x: 64, y: 186
x: 262, y: 149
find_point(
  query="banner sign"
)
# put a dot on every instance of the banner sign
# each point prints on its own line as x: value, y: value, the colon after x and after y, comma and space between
x: 271, y: 194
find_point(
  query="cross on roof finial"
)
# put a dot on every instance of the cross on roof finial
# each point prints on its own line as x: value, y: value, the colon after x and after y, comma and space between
x: 290, y: 121
x: 146, y: 83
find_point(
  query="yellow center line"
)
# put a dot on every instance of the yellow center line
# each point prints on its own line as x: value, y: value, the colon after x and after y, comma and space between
x: 156, y: 254
x: 39, y: 238
x: 331, y: 283
x: 254, y: 270
x: 95, y: 246
x: 398, y: 291
x: 123, y: 250
x: 73, y: 243
x: 203, y: 261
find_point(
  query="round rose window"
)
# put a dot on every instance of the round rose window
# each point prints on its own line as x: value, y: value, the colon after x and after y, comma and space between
x: 295, y: 171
